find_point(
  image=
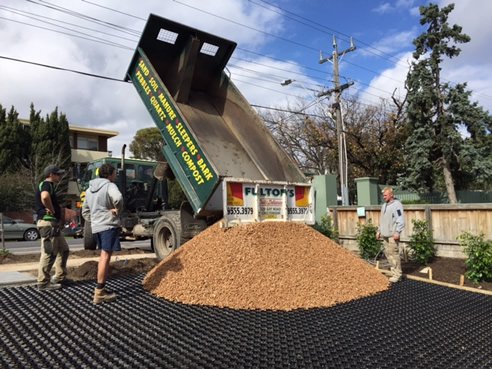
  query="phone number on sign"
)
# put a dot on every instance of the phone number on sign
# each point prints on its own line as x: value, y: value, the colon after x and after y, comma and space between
x: 297, y: 210
x: 239, y: 210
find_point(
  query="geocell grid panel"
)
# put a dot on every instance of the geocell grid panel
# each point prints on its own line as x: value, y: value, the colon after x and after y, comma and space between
x: 412, y: 325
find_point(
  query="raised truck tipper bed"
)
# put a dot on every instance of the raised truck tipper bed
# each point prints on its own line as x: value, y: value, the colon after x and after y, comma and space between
x: 226, y: 160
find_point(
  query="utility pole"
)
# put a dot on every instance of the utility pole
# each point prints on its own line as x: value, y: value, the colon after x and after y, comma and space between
x: 342, y: 147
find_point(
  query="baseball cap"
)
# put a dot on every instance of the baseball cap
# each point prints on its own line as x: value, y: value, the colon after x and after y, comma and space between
x: 52, y: 169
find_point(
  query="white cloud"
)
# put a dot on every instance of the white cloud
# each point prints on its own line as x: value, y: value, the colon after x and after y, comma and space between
x: 99, y: 103
x: 96, y: 102
x: 391, y: 44
x: 387, y: 7
x: 383, y: 8
x: 473, y: 65
x: 391, y: 81
x: 414, y: 11
x: 404, y: 4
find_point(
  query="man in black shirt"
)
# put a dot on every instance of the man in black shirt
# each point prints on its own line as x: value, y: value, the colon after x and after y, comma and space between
x: 54, y: 248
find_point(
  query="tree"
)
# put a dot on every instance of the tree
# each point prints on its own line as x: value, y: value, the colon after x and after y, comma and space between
x: 15, y: 192
x: 14, y: 142
x: 438, y: 156
x: 148, y: 144
x: 374, y: 135
x: 24, y: 153
x: 50, y: 145
x: 309, y: 139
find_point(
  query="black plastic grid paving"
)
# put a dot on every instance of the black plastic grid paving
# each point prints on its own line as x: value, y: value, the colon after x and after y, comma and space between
x: 412, y: 325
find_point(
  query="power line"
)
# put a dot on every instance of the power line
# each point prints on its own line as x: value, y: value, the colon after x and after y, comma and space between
x: 91, y: 38
x: 40, y: 19
x: 278, y: 37
x: 63, y: 69
x: 260, y: 31
x: 285, y: 61
x: 310, y: 23
x: 114, y: 10
x: 137, y: 33
x: 73, y: 13
x: 287, y: 111
x: 245, y: 26
x: 271, y: 67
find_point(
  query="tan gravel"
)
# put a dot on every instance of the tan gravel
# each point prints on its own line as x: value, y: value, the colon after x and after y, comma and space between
x: 265, y: 266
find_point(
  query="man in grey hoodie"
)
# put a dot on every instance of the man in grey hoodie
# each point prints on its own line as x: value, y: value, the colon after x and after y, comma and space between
x: 102, y: 206
x: 391, y: 226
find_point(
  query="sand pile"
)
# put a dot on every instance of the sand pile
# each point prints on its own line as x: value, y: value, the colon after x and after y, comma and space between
x: 265, y: 266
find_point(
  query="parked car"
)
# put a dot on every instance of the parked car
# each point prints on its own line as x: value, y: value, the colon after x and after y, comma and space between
x: 72, y: 230
x: 17, y: 229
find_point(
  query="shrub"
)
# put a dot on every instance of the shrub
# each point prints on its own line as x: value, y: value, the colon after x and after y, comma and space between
x: 325, y: 227
x: 369, y: 245
x: 421, y: 243
x: 415, y: 202
x: 479, y: 262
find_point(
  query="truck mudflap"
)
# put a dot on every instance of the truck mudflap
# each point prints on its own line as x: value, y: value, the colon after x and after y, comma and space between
x: 246, y: 201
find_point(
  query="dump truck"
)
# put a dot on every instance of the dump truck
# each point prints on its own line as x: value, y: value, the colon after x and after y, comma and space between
x: 229, y: 165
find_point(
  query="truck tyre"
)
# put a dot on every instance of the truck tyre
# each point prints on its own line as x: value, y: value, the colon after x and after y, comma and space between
x: 167, y: 234
x: 89, y: 243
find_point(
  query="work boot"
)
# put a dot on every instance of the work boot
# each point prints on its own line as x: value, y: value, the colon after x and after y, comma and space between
x: 64, y: 282
x: 101, y: 295
x: 49, y: 286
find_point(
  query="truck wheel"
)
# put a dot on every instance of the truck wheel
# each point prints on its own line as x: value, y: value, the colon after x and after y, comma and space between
x: 167, y: 235
x: 89, y: 243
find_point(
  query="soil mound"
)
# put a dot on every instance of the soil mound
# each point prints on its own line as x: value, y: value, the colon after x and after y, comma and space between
x: 88, y: 270
x: 263, y: 266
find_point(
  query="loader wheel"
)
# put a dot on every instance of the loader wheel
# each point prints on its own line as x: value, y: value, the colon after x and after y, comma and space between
x: 167, y: 235
x: 89, y: 243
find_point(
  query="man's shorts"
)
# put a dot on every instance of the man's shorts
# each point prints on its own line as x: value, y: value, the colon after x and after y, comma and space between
x: 108, y: 240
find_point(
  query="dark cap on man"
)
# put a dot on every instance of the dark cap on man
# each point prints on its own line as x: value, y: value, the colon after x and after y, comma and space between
x: 52, y: 169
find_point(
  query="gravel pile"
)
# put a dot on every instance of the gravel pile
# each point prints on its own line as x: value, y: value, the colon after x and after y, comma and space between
x: 265, y: 266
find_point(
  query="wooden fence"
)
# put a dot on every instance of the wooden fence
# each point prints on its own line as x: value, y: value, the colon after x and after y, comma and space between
x: 446, y: 221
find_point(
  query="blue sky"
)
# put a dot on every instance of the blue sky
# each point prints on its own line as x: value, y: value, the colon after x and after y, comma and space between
x: 276, y: 40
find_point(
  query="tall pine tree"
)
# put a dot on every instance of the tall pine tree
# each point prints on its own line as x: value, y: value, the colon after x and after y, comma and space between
x: 438, y: 155
x: 14, y: 142
x: 50, y: 145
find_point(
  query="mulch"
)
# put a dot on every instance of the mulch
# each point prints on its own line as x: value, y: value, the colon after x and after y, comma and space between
x: 447, y: 270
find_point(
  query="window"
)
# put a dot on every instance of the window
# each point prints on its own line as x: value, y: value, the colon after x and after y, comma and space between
x: 91, y: 171
x: 87, y: 143
x: 129, y: 169
x: 146, y: 173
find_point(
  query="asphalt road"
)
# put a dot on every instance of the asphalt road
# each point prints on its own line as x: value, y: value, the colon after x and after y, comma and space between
x: 30, y: 247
